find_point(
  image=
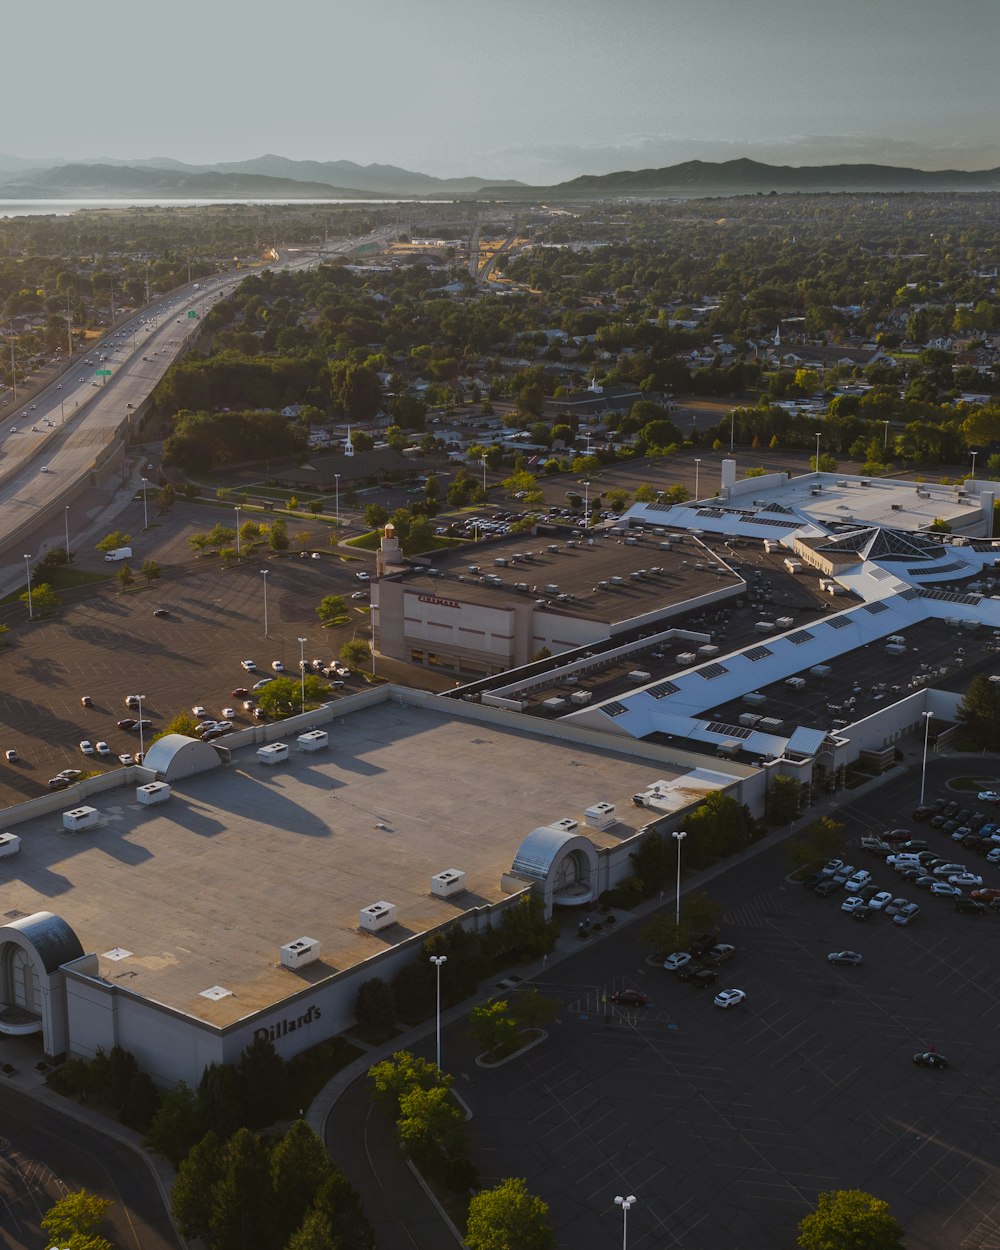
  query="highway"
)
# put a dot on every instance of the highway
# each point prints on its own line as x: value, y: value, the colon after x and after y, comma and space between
x: 48, y: 447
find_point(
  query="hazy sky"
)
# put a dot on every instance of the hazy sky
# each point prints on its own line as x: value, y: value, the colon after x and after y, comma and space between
x: 534, y: 89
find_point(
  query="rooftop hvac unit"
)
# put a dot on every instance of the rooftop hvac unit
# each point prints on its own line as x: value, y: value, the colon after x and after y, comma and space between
x: 893, y: 648
x: 551, y: 588
x: 566, y: 825
x: 600, y: 816
x: 754, y: 699
x: 708, y: 650
x: 304, y: 950
x: 154, y: 792
x: 377, y: 916
x: 638, y: 675
x: 314, y: 740
x: 273, y: 753
x: 820, y: 670
x: 445, y: 884
x: 686, y: 657
x: 581, y: 697
x: 555, y: 704
x: 749, y: 719
x: 552, y: 547
x: 10, y: 844
x: 80, y: 818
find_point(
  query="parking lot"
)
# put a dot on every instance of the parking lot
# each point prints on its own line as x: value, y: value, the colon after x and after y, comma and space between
x: 726, y: 1124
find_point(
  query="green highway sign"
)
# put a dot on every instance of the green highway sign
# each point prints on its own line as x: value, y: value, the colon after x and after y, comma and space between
x: 104, y: 373
x: 192, y: 313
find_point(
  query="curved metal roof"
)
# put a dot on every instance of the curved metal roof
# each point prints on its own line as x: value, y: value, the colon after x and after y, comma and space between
x: 50, y: 935
x: 538, y: 851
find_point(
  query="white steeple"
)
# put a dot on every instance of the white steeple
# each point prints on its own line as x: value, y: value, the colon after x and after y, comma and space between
x: 348, y: 446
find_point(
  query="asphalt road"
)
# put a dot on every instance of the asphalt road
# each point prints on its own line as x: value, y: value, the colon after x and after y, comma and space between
x: 727, y: 1124
x: 43, y: 1156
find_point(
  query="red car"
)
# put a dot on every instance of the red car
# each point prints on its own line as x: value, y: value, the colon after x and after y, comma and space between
x: 240, y: 692
x: 629, y: 998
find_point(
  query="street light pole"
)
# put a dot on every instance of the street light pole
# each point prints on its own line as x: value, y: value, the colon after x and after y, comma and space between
x: 626, y: 1205
x: 586, y: 504
x: 336, y: 487
x: 974, y: 455
x: 885, y: 440
x: 732, y: 430
x: 697, y: 474
x: 923, y: 772
x: 27, y: 566
x: 142, y: 740
x: 238, y: 551
x: 264, y: 573
x: 302, y: 668
x: 66, y: 515
x: 437, y: 961
x: 817, y: 451
x: 484, y: 474
x: 679, y: 837
x: 145, y: 510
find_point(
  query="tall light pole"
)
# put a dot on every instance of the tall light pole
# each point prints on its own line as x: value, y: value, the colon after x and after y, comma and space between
x: 679, y: 837
x: 974, y: 455
x: 437, y: 961
x: 586, y: 504
x: 66, y: 516
x: 238, y: 550
x: 27, y: 566
x: 885, y: 440
x: 818, y: 434
x: 697, y: 474
x: 484, y: 474
x: 732, y: 430
x: 923, y: 772
x: 302, y: 668
x: 336, y: 487
x: 145, y: 509
x: 626, y: 1205
x: 142, y: 740
x: 264, y: 573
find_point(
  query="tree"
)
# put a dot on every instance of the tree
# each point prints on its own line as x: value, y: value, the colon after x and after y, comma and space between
x: 299, y: 1166
x: 243, y: 1210
x: 332, y: 610
x: 782, y: 799
x: 150, y: 570
x: 4, y: 631
x: 166, y: 497
x: 508, y: 1217
x: 278, y: 535
x: 182, y: 723
x: 430, y: 1120
x: 375, y: 516
x: 846, y: 1219
x: 176, y: 1125
x: 821, y: 840
x: 73, y: 1221
x: 533, y: 1010
x: 283, y: 696
x: 375, y: 1006
x: 654, y: 862
x: 355, y: 654
x: 403, y: 1071
x: 340, y: 1203
x: 263, y: 1079
x: 42, y: 599
x: 314, y: 1233
x: 191, y: 1198
x: 114, y: 540
x: 125, y: 576
x: 494, y: 1028
x: 979, y: 714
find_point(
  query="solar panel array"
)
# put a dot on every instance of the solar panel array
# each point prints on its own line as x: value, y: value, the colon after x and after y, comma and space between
x: 614, y: 709
x: 784, y: 525
x: 758, y: 653
x: 728, y: 731
x: 662, y: 689
x: 712, y: 670
x: 838, y: 622
x: 949, y: 596
x: 800, y: 636
x: 876, y: 608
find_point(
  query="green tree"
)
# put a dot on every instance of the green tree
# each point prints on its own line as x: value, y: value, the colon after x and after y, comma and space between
x: 821, y: 840
x: 508, y: 1217
x: 73, y: 1221
x: 332, y: 610
x: 533, y: 1010
x: 278, y: 535
x: 654, y: 863
x: 4, y: 631
x: 340, y: 1203
x: 150, y: 570
x: 125, y: 576
x: 242, y: 1215
x: 283, y: 696
x: 355, y: 654
x: 782, y: 799
x: 375, y: 516
x: 114, y: 540
x: 43, y: 599
x: 263, y: 1079
x: 401, y: 1072
x: 176, y: 1126
x: 192, y: 1196
x: 979, y: 715
x: 375, y: 1006
x: 494, y: 1028
x: 430, y: 1120
x: 315, y: 1233
x: 182, y: 723
x: 299, y: 1166
x: 846, y: 1219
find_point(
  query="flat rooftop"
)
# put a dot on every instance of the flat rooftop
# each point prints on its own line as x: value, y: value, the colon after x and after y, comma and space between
x: 577, y: 567
x: 204, y: 890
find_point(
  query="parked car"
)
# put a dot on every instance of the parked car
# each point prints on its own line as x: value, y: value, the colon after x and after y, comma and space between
x: 249, y: 665
x: 892, y: 908
x: 907, y: 914
x: 161, y: 612
x: 58, y: 783
x: 102, y: 748
x: 126, y: 722
x: 879, y: 901
x: 930, y: 1059
x: 259, y: 685
x: 87, y: 747
x: 721, y: 953
x: 730, y: 998
x: 852, y: 903
x: 363, y: 577
x: 971, y: 906
x: 11, y: 756
x: 701, y: 943
x: 966, y: 878
x: 277, y: 666
x: 851, y: 958
x: 125, y: 758
x: 133, y: 700
x: 703, y: 977
x: 86, y: 701
x: 946, y: 889
x: 71, y: 774
x: 857, y: 881
x: 240, y: 692
x: 826, y: 887
x: 629, y: 998
x: 677, y: 960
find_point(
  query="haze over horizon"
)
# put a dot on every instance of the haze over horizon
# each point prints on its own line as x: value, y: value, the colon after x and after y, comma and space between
x: 537, y: 92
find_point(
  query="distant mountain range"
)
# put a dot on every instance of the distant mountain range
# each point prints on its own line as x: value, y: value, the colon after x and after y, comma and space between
x: 277, y: 178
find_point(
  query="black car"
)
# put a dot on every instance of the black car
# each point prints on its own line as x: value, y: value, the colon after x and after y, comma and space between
x: 914, y: 844
x: 826, y: 887
x: 813, y: 880
x: 861, y: 913
x: 161, y: 612
x: 629, y: 998
x: 924, y: 882
x: 704, y: 977
x: 930, y: 1059
x: 938, y: 821
x: 127, y: 723
x: 950, y: 809
x: 921, y: 813
x: 972, y: 906
x: 701, y: 943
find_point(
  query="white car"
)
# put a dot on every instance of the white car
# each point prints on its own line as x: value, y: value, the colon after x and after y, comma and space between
x: 228, y: 713
x: 858, y: 881
x: 677, y: 960
x: 277, y: 666
x: 126, y: 759
x: 879, y: 900
x: 362, y: 577
x: 87, y: 747
x: 966, y: 878
x: 224, y: 725
x: 102, y: 748
x: 947, y: 889
x: 730, y: 998
x: 360, y: 594
x: 249, y: 665
x: 988, y: 796
x: 852, y: 903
